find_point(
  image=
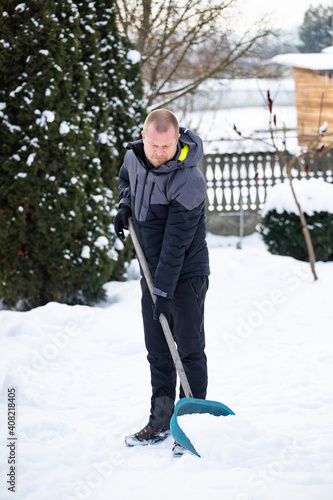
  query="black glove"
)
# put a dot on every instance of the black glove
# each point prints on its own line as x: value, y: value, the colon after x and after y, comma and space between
x: 162, y: 306
x: 121, y: 221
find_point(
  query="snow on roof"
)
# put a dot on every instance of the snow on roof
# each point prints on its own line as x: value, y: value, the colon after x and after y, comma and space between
x: 318, y: 62
x: 241, y: 84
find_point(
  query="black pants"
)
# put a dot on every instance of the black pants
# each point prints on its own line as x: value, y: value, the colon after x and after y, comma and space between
x: 187, y: 326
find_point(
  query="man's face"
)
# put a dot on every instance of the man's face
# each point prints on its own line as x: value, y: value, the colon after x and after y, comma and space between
x: 160, y: 147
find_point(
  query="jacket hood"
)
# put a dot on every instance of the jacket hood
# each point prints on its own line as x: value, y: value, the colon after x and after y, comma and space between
x: 189, y: 152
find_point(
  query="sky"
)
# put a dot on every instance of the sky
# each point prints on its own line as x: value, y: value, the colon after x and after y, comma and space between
x: 285, y: 14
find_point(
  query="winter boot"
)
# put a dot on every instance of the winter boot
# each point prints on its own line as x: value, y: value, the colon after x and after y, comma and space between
x: 178, y: 450
x: 147, y: 435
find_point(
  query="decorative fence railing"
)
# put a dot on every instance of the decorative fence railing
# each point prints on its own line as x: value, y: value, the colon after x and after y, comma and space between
x: 235, y: 179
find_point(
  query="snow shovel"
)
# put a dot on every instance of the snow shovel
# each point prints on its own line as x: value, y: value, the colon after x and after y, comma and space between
x: 189, y: 404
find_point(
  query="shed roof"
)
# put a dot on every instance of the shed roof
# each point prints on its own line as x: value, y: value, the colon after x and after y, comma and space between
x: 319, y: 62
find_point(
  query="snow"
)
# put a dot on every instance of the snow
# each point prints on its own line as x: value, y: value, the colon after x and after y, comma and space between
x: 215, y: 127
x: 134, y: 56
x: 31, y: 159
x: 89, y: 28
x: 101, y: 242
x: 103, y: 138
x: 21, y: 7
x: 98, y: 198
x: 64, y: 128
x: 323, y: 127
x: 314, y: 195
x: 16, y: 91
x: 328, y: 50
x: 46, y: 117
x: 85, y: 253
x: 245, y: 84
x: 221, y: 104
x: 321, y: 61
x: 82, y: 383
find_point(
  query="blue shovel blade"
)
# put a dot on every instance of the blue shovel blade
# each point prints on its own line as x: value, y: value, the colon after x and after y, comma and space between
x: 188, y: 406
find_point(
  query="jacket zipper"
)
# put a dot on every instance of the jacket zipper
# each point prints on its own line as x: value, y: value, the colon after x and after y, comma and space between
x: 151, y: 194
x: 143, y: 194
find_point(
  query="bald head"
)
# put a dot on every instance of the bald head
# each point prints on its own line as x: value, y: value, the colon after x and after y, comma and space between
x: 160, y: 136
x: 162, y: 120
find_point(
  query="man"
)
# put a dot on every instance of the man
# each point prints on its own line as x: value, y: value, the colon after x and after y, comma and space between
x: 162, y: 188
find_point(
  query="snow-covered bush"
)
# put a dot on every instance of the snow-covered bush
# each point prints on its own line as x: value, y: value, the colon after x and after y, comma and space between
x: 68, y: 97
x: 280, y: 225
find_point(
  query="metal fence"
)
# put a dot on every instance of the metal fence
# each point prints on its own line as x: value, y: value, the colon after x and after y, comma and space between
x: 238, y: 182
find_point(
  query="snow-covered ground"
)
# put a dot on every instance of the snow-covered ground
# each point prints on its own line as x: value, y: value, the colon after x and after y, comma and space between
x: 220, y: 104
x: 216, y: 129
x: 82, y: 383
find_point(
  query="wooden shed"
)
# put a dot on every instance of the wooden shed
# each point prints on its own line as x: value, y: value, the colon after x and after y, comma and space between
x: 313, y: 75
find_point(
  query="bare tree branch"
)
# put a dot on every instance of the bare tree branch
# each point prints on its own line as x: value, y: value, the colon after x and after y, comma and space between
x: 188, y: 40
x: 233, y: 55
x: 314, y: 148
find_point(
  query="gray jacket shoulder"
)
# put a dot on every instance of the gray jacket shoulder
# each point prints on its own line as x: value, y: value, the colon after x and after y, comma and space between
x: 188, y: 188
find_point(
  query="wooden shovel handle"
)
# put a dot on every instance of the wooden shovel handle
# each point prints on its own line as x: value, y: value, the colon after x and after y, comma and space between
x: 162, y: 318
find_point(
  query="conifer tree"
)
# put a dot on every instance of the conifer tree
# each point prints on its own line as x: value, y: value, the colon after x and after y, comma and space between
x: 115, y: 97
x: 316, y: 31
x: 56, y: 239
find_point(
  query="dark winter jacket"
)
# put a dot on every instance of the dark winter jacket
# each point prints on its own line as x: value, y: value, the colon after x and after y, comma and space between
x: 168, y: 208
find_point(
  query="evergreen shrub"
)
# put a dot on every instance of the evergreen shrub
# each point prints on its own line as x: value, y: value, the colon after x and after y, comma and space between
x: 66, y: 86
x: 282, y: 233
